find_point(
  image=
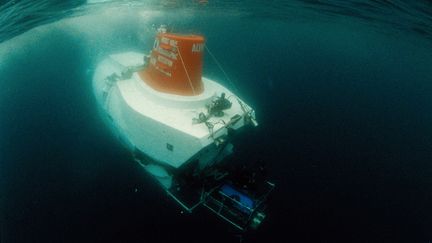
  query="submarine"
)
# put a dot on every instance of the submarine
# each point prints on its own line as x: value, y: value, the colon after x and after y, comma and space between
x: 178, y: 126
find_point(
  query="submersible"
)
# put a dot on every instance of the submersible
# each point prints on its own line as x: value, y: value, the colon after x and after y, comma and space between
x: 178, y: 126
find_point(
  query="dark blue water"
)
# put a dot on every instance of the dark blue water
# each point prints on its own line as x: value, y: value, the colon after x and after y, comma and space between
x: 342, y: 91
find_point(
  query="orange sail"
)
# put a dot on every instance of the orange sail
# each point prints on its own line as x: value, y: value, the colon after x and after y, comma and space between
x: 175, y: 65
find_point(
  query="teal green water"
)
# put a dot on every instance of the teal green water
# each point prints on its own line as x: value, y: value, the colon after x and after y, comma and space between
x: 342, y: 91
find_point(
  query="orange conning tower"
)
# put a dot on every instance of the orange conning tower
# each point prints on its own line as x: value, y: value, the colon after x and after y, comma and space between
x: 175, y: 64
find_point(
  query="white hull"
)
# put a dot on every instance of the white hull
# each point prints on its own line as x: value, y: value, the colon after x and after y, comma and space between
x: 161, y: 125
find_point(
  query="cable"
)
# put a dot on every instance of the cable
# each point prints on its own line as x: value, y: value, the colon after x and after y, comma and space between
x: 242, y: 105
x: 220, y: 66
x: 187, y: 74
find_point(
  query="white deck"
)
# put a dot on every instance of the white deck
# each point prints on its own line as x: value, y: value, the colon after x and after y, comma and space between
x: 154, y: 122
x: 173, y: 110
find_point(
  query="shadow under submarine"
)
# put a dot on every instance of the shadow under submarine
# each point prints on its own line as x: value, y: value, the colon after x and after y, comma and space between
x: 178, y: 124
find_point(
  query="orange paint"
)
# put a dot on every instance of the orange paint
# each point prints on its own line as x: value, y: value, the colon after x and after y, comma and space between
x: 175, y: 64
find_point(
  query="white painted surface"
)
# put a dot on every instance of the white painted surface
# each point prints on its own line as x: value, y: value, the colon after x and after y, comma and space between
x: 159, y: 124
